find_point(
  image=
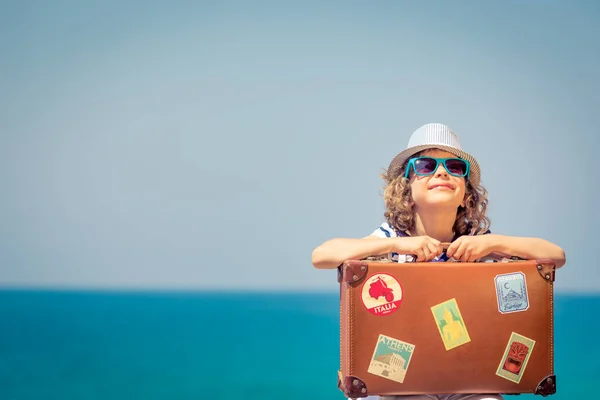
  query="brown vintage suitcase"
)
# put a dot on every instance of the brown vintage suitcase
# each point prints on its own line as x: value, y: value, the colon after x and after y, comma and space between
x: 446, y: 327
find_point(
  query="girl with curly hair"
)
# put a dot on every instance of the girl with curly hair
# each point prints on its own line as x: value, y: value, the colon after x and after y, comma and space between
x: 433, y: 195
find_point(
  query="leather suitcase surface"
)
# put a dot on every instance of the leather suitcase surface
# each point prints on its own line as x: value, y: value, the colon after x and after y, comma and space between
x: 447, y: 327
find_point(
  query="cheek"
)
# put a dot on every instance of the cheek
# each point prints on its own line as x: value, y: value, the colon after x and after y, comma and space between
x: 419, y: 181
x: 418, y: 186
x: 463, y: 192
x: 461, y: 186
x: 461, y: 189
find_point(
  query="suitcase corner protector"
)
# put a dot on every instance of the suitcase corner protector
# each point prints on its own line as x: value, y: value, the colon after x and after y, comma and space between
x: 546, y: 269
x: 353, y: 387
x: 352, y: 271
x: 547, y: 386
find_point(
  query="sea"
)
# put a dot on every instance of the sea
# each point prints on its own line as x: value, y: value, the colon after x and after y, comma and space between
x: 100, y: 345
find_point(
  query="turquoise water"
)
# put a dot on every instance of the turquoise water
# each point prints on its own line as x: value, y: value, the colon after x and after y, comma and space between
x: 102, y: 345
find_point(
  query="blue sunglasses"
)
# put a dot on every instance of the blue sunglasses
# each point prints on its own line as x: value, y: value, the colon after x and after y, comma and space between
x: 424, y: 166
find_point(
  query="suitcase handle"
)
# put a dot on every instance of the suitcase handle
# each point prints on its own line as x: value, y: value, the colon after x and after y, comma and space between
x: 494, y: 256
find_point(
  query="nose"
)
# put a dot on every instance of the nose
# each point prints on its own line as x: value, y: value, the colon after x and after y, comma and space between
x: 441, y: 171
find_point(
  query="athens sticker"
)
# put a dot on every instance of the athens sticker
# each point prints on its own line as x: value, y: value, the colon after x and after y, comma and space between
x: 450, y: 323
x: 511, y: 292
x: 391, y: 358
x: 515, y: 358
x: 381, y: 294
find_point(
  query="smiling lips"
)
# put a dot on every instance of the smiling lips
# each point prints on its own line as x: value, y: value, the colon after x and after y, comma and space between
x: 441, y: 186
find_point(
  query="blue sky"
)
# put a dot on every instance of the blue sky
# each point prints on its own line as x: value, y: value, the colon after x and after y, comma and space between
x: 214, y: 144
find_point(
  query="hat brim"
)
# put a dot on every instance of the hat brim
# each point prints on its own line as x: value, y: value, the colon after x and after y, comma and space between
x: 398, y: 162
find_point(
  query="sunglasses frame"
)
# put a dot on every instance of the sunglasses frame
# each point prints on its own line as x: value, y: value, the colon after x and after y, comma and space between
x: 438, y: 161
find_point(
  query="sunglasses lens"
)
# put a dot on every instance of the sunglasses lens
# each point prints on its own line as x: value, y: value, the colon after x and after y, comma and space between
x: 456, y: 167
x: 425, y: 165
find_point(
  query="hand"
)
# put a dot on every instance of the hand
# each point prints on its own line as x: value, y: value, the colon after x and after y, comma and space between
x: 424, y: 247
x: 470, y: 248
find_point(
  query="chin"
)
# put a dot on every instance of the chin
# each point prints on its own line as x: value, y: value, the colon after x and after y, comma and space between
x: 439, y: 203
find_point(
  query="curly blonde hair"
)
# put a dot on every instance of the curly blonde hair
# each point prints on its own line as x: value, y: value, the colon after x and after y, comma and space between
x: 397, y: 196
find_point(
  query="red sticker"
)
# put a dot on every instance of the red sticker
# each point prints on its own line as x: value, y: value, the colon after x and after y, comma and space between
x: 381, y: 294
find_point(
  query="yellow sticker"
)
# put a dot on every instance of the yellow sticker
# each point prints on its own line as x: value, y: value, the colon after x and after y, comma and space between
x: 450, y: 324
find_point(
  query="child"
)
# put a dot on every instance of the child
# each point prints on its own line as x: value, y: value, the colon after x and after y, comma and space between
x: 433, y: 195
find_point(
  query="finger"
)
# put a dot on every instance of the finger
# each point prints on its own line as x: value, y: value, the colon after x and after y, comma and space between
x: 416, y: 254
x: 435, y: 250
x: 466, y: 255
x: 453, y: 247
x: 420, y: 255
x: 432, y: 253
x: 458, y: 252
x: 427, y: 256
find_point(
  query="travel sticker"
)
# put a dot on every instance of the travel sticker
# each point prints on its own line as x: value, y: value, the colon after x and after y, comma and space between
x: 450, y: 324
x: 381, y: 294
x: 515, y: 358
x: 391, y: 358
x: 511, y: 292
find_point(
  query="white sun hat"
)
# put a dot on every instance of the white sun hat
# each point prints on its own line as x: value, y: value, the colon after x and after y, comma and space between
x: 434, y: 136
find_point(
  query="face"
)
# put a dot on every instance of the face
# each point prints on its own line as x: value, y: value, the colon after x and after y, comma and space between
x: 440, y: 188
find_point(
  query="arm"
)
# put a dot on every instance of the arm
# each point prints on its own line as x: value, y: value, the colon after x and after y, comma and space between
x: 335, y: 251
x: 528, y: 248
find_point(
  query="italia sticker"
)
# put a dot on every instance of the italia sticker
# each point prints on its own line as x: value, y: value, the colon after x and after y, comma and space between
x: 381, y: 294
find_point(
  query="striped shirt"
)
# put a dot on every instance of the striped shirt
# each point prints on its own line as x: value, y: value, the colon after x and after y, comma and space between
x: 385, y: 230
